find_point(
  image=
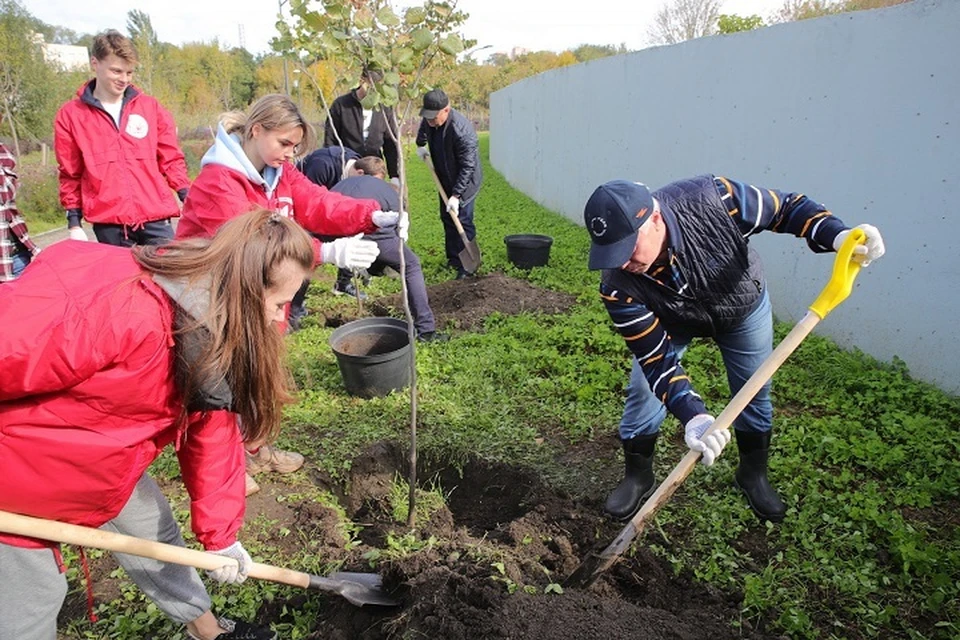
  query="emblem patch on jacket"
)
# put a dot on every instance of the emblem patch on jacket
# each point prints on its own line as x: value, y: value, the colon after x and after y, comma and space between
x: 137, y: 126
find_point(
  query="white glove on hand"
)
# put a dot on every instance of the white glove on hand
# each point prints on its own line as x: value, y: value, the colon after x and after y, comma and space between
x: 423, y: 152
x: 403, y: 227
x: 233, y: 573
x: 77, y: 233
x: 396, y: 183
x: 350, y: 253
x: 453, y: 205
x: 385, y: 218
x: 867, y: 252
x: 712, y: 445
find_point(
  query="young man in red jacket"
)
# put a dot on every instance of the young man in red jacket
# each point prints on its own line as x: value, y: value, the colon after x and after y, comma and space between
x: 119, y: 158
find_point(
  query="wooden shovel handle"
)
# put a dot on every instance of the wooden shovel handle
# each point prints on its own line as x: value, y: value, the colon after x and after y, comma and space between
x: 446, y: 200
x: 109, y: 541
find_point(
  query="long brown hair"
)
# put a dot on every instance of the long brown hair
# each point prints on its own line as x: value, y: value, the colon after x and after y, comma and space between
x: 238, y: 265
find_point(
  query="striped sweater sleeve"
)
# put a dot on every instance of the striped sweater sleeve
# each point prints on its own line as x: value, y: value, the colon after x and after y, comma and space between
x: 755, y: 209
x: 654, y: 351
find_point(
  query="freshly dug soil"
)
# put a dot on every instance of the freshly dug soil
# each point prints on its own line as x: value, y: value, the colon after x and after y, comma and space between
x: 493, y: 559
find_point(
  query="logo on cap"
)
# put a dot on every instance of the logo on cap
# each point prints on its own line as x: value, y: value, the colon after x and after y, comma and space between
x: 598, y: 227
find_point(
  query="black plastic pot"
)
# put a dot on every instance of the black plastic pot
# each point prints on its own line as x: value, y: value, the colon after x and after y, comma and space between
x: 528, y: 250
x: 374, y: 356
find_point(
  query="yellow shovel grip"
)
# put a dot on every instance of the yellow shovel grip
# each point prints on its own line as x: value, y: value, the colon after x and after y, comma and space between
x: 845, y: 271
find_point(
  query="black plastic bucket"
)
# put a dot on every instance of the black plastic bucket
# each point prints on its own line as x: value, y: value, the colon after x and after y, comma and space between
x: 374, y: 356
x: 528, y: 250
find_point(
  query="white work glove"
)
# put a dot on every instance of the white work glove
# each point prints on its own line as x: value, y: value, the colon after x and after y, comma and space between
x: 423, y: 152
x: 385, y: 218
x: 77, y: 233
x: 867, y: 252
x: 712, y: 445
x: 403, y: 226
x: 350, y: 253
x: 234, y: 573
x: 453, y: 205
x: 395, y: 182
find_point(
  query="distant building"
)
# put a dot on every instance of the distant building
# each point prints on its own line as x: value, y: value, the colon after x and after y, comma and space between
x: 66, y: 57
x: 516, y: 52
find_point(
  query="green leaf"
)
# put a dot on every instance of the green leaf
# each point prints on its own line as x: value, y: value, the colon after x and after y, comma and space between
x: 371, y: 99
x: 451, y: 45
x: 389, y: 95
x: 363, y: 19
x: 391, y: 79
x: 414, y: 16
x: 387, y: 17
x: 422, y: 38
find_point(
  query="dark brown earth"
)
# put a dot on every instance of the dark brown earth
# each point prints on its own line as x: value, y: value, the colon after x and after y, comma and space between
x: 502, y: 545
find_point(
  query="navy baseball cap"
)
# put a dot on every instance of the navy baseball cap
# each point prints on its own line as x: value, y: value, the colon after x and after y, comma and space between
x: 612, y: 215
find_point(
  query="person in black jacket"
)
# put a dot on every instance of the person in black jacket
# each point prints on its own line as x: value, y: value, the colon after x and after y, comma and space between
x: 367, y: 180
x: 365, y: 131
x: 677, y: 265
x: 450, y: 142
x: 327, y: 167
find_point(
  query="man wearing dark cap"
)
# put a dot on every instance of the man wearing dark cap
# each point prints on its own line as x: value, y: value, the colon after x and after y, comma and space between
x: 450, y: 142
x: 677, y: 265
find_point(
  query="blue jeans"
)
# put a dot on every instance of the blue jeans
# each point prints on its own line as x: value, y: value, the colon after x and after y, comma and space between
x: 743, y: 349
x: 20, y: 261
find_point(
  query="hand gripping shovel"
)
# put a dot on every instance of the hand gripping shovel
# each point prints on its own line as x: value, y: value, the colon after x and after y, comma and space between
x: 845, y: 270
x: 470, y: 256
x: 357, y: 588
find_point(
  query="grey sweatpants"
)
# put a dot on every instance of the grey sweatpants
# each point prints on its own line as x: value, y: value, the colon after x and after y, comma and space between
x: 32, y: 589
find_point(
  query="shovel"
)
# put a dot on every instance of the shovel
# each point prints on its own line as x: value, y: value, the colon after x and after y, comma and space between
x: 358, y: 588
x: 845, y: 270
x: 470, y: 255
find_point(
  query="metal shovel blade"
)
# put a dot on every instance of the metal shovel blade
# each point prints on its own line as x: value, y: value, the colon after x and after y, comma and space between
x: 358, y: 588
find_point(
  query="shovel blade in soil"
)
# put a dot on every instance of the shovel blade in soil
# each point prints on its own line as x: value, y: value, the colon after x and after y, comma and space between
x: 358, y: 588
x: 470, y: 256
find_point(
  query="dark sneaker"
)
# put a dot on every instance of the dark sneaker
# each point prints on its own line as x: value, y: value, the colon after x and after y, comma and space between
x: 463, y: 274
x: 433, y: 336
x: 243, y: 631
x: 237, y: 630
x: 347, y: 289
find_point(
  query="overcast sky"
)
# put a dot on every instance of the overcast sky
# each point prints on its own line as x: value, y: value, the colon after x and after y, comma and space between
x: 501, y: 24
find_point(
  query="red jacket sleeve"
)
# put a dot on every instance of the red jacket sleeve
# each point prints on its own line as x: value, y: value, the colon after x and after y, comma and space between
x: 327, y: 213
x: 212, y: 463
x: 170, y: 158
x: 70, y: 161
x: 214, y: 198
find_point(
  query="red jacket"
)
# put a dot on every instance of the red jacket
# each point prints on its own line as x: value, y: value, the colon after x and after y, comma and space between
x: 220, y: 193
x: 88, y: 398
x: 119, y: 175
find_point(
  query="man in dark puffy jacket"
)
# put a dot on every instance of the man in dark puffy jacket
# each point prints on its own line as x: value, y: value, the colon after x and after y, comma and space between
x: 450, y: 141
x: 677, y: 265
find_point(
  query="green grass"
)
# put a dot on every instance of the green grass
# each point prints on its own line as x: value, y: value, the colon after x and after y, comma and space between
x: 865, y: 458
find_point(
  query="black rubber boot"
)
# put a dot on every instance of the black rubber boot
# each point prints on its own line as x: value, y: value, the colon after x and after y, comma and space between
x: 751, y: 477
x: 638, y: 481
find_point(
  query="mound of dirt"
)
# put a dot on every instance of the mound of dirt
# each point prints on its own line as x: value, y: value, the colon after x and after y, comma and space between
x: 463, y: 304
x: 496, y: 557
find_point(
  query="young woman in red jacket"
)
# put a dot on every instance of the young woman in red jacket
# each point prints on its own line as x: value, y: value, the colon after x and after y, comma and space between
x: 250, y: 165
x: 111, y: 355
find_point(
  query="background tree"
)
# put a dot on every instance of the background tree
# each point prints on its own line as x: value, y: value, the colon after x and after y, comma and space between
x: 793, y: 10
x: 28, y: 85
x: 681, y: 20
x: 735, y: 23
x: 147, y: 43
